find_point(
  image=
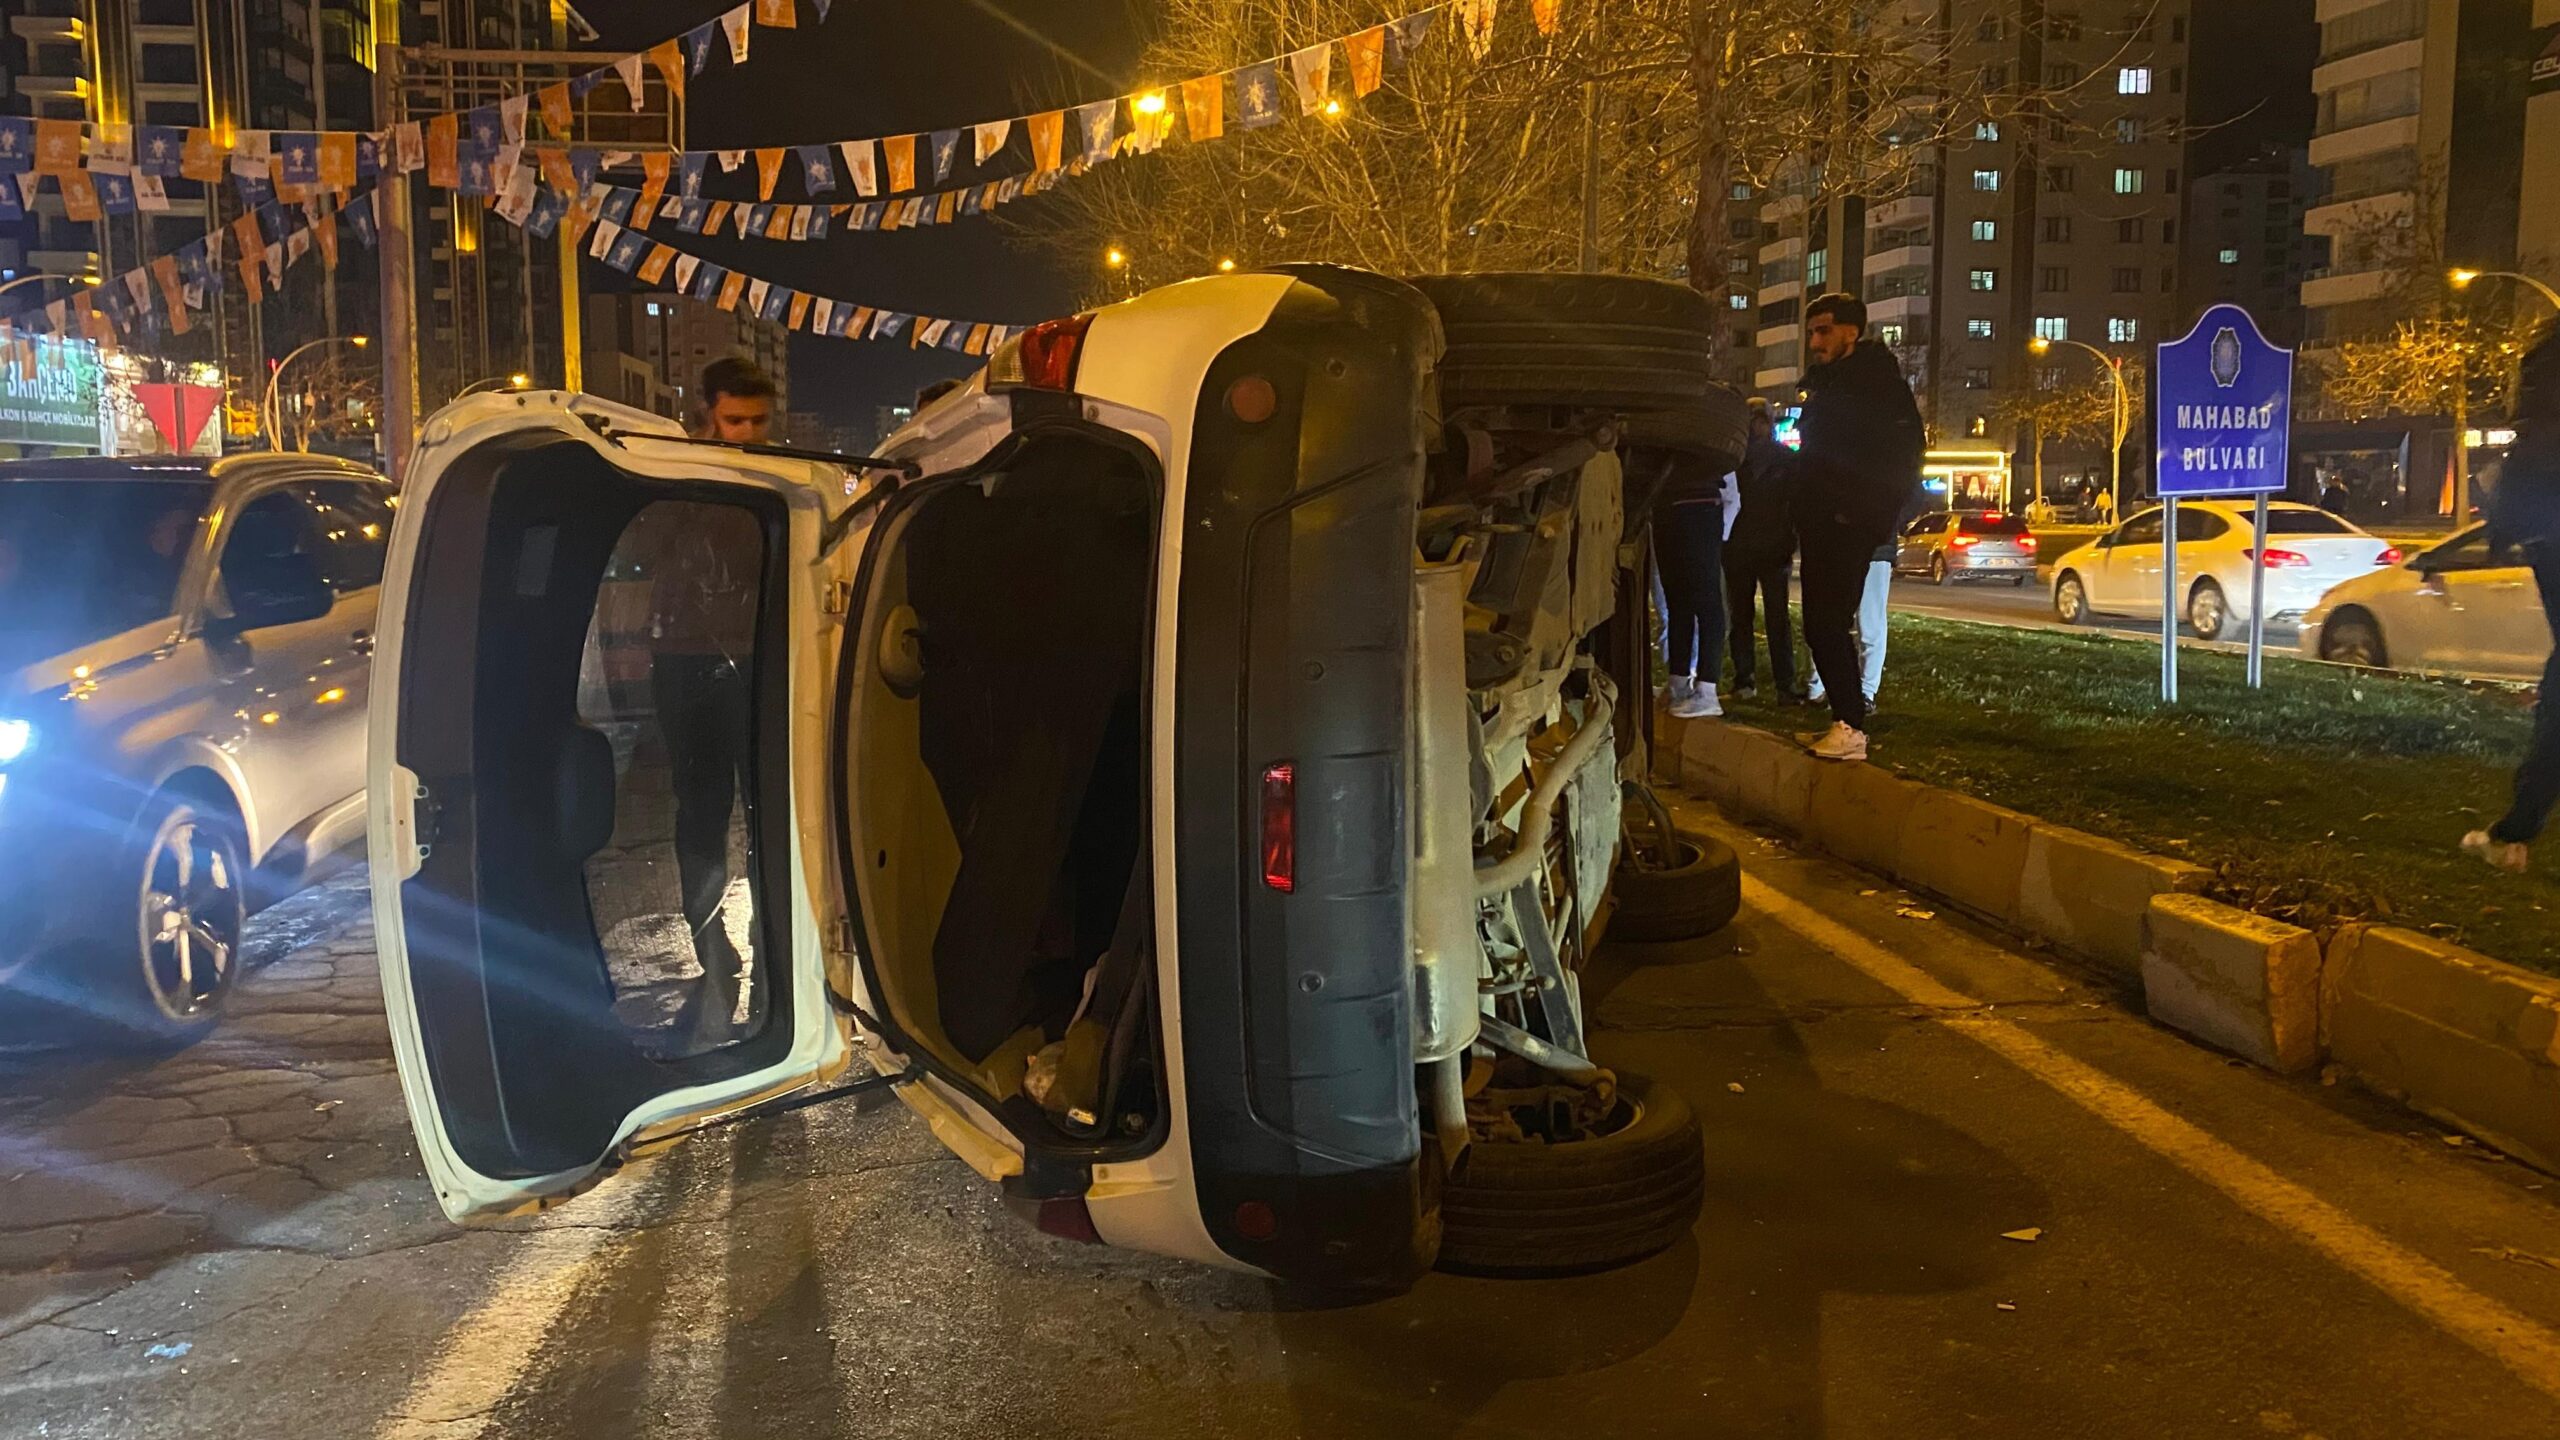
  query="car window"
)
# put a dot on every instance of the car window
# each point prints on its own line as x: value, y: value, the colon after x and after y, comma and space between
x: 1994, y: 525
x: 81, y: 560
x: 2306, y: 522
x: 1925, y: 525
x: 269, y: 546
x: 2199, y: 525
x: 352, y: 519
x: 2142, y: 529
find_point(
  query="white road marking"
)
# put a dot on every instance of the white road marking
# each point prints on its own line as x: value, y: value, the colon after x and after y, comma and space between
x: 2502, y: 1334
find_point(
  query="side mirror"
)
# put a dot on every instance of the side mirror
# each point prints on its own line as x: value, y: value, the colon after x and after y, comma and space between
x: 277, y: 590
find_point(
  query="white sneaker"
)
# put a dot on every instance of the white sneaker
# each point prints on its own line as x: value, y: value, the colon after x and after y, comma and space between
x: 1840, y: 743
x: 1699, y: 704
x: 2504, y: 855
x: 1680, y: 688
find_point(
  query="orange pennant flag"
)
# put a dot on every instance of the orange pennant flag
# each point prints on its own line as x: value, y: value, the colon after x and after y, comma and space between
x: 1204, y: 107
x: 245, y: 230
x: 719, y: 212
x: 949, y: 209
x: 653, y: 188
x: 554, y: 100
x: 1367, y: 52
x: 660, y: 257
x: 173, y: 293
x: 555, y: 169
x: 253, y: 274
x: 901, y: 150
x: 777, y: 226
x: 1047, y: 133
x: 1546, y: 13
x: 730, y: 289
x: 338, y: 161
x: 444, y: 169
x: 799, y: 311
x: 768, y: 170
x: 57, y: 146
x: 325, y: 230
x: 79, y: 195
x: 669, y: 58
x: 201, y: 158
x: 778, y: 14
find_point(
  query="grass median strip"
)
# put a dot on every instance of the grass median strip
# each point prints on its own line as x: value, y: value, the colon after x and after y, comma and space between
x: 2330, y: 795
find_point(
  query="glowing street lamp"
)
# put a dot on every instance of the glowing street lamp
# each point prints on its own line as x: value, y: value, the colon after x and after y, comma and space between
x: 2124, y: 409
x: 2463, y: 278
x: 269, y: 411
x: 1115, y: 257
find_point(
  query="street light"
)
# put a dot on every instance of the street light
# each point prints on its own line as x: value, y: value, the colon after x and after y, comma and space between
x: 44, y: 275
x: 2462, y: 279
x: 1115, y: 257
x: 517, y: 381
x: 2124, y: 410
x: 268, y: 412
x: 1226, y: 266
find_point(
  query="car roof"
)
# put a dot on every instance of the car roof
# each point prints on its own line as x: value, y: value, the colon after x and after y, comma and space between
x: 247, y: 465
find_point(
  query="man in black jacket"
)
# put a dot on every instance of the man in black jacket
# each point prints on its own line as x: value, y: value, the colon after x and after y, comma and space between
x: 2524, y: 512
x: 1863, y: 447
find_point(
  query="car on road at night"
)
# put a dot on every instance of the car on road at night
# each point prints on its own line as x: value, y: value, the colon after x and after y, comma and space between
x: 184, y: 654
x: 2457, y: 607
x: 2307, y: 551
x: 1191, y: 767
x: 1951, y: 545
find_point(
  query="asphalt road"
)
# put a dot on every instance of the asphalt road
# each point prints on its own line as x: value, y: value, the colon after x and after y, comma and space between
x: 2031, y: 606
x: 236, y: 1241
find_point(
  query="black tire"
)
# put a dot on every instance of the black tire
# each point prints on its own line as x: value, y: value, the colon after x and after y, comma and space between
x: 2071, y: 598
x: 1605, y: 342
x: 2206, y: 602
x: 1533, y: 1208
x: 1698, y: 896
x: 1714, y: 430
x: 165, y: 984
x: 1939, y: 574
x: 2351, y: 638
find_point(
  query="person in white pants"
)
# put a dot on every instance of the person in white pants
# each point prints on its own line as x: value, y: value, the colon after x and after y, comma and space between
x: 1874, y: 605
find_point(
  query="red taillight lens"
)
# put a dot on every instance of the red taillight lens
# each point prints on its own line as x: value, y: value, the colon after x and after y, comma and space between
x: 2027, y: 543
x: 2390, y: 556
x: 1280, y: 828
x: 1048, y: 354
x: 1960, y: 542
x: 2281, y: 559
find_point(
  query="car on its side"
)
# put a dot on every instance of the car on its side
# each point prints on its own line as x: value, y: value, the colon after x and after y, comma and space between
x: 2459, y: 607
x: 2307, y: 550
x: 1952, y: 545
x: 185, y: 651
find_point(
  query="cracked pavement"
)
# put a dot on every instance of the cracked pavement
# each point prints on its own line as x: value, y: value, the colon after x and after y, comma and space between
x: 237, y: 1240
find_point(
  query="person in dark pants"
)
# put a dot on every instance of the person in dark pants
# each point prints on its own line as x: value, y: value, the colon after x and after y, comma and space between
x: 1760, y: 555
x: 1689, y: 522
x: 1863, y: 447
x: 2524, y: 512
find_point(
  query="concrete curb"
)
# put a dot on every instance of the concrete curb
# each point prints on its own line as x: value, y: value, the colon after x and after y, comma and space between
x: 2455, y: 1035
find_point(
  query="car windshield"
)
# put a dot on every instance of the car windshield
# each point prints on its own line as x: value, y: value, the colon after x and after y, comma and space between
x: 2306, y: 522
x: 84, y: 559
x: 1994, y: 525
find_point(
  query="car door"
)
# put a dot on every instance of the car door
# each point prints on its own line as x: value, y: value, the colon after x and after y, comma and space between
x: 599, y: 910
x: 1919, y: 542
x: 350, y: 534
x: 2473, y: 610
x: 2128, y: 577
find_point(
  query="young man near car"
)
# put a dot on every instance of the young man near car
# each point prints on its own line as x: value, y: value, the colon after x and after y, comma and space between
x: 1855, y: 475
x: 734, y: 402
x: 1760, y: 555
x: 2524, y: 511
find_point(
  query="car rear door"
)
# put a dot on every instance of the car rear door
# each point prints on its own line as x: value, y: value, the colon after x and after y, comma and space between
x: 2128, y: 578
x: 595, y: 911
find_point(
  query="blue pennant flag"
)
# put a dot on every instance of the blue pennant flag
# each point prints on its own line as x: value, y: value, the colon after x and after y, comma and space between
x: 582, y: 85
x: 254, y: 189
x: 957, y: 337
x: 617, y: 205
x: 839, y: 318
x: 975, y: 200
x: 706, y: 281
x: 818, y: 222
x: 866, y: 216
x: 484, y: 130
x: 1096, y: 124
x: 946, y: 148
x: 689, y: 168
x: 157, y: 148
x: 11, y: 207
x: 777, y: 302
x: 821, y: 7
x: 891, y: 324
x: 753, y: 218
x: 818, y: 168
x: 689, y: 215
x: 628, y: 248
x: 275, y: 222
x: 297, y: 158
x: 195, y: 267
x: 359, y: 216
x: 1258, y: 95
x: 115, y: 193
x: 474, y: 176
x: 697, y: 44
x: 1405, y: 36
x: 584, y: 165
x: 368, y: 156
x: 544, y: 218
x: 17, y: 143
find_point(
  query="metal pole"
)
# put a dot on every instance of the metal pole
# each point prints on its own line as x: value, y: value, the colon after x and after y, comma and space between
x: 1591, y: 144
x: 393, y: 244
x: 2169, y: 599
x: 2258, y: 602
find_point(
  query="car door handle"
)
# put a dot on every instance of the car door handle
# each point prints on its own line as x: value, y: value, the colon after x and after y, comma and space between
x: 363, y: 643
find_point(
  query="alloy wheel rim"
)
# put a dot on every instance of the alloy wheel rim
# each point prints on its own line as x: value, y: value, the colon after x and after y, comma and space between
x: 191, y: 918
x: 2205, y: 612
x: 2071, y: 600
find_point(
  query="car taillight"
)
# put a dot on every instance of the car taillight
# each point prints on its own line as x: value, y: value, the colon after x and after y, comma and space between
x: 2281, y: 559
x: 1280, y: 828
x: 1042, y: 357
x: 2391, y: 555
x: 1959, y: 542
x: 2026, y: 542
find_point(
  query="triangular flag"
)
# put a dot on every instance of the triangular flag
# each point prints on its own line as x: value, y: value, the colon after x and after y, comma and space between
x: 1258, y: 95
x: 1406, y: 35
x: 1204, y: 108
x: 799, y: 312
x: 1047, y: 134
x: 719, y: 212
x: 202, y: 158
x: 697, y: 44
x: 817, y: 169
x: 946, y: 149
x: 768, y: 170
x: 660, y: 257
x: 606, y: 233
x: 1475, y: 21
x: 685, y: 265
x: 901, y: 150
x: 668, y: 56
x: 444, y: 135
x: 628, y: 67
x: 777, y: 14
x: 511, y: 119
x: 1311, y: 70
x: 1096, y: 125
x: 861, y: 164
x: 730, y: 289
x: 555, y: 108
x: 1367, y: 54
x: 730, y: 160
x: 338, y: 161
x: 653, y: 187
x: 79, y: 195
x: 734, y: 24
x: 57, y: 146
x: 326, y: 232
x: 988, y: 138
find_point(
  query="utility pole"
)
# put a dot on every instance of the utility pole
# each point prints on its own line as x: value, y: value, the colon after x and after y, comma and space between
x: 320, y: 121
x: 398, y: 254
x: 1590, y: 261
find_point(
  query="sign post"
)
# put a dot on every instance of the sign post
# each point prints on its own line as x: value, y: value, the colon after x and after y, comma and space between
x: 2224, y: 393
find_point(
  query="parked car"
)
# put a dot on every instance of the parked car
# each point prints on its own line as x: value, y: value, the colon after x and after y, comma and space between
x: 1967, y: 545
x: 184, y: 653
x: 2307, y: 550
x: 1191, y: 778
x: 2457, y: 606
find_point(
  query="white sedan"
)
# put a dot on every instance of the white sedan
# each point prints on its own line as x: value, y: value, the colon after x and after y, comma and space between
x: 2458, y: 607
x: 2307, y: 551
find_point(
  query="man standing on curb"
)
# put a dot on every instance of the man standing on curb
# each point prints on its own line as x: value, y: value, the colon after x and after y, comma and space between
x: 2524, y: 512
x: 1863, y: 446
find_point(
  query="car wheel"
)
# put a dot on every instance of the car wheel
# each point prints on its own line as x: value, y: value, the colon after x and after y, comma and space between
x: 1533, y: 1207
x: 2071, y: 599
x: 2207, y: 612
x: 1698, y: 894
x: 1938, y: 572
x: 1603, y: 341
x: 190, y: 902
x: 2019, y: 582
x: 2353, y: 639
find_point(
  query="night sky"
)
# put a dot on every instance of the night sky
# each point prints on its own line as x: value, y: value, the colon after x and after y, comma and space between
x: 880, y: 67
x: 896, y: 66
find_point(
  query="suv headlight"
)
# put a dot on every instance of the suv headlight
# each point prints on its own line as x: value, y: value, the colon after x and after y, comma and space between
x: 17, y: 737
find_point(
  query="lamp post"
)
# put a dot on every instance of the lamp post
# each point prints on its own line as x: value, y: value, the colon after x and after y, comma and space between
x: 2462, y: 281
x: 487, y: 384
x: 44, y: 275
x: 268, y: 411
x: 2123, y: 416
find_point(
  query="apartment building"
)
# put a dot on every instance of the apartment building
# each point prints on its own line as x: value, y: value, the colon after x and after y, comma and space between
x: 2244, y: 243
x: 2538, y: 212
x: 668, y: 339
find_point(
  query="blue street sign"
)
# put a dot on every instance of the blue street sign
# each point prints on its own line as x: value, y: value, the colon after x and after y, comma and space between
x: 2225, y: 400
